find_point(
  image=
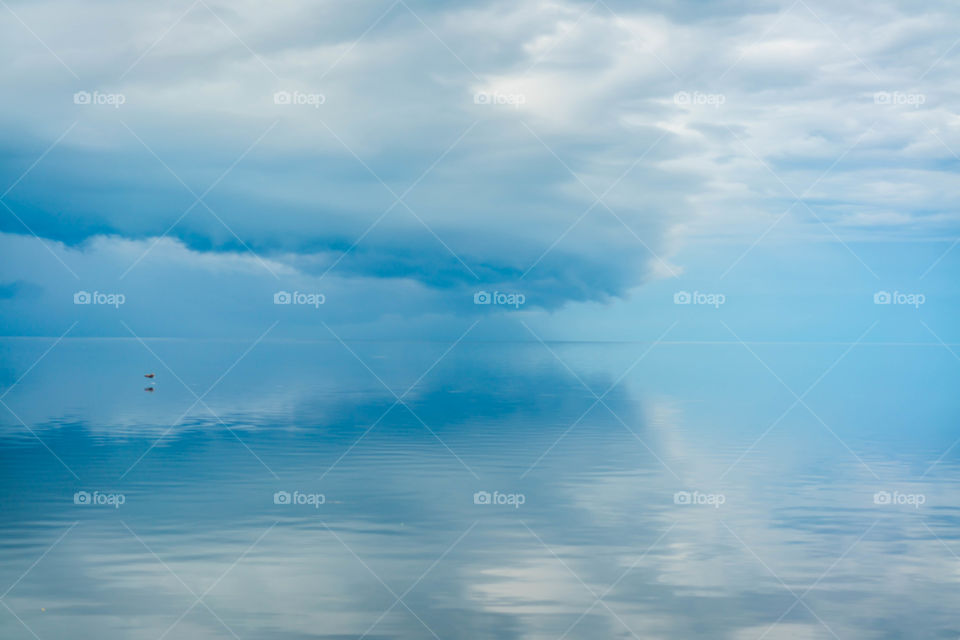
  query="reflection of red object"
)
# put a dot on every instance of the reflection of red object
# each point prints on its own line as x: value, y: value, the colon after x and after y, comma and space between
x: 149, y: 375
x: 150, y: 389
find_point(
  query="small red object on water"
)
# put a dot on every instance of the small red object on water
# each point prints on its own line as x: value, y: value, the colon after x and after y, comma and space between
x: 148, y: 375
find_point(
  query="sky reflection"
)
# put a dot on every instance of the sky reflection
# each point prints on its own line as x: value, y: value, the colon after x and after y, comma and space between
x: 599, y: 519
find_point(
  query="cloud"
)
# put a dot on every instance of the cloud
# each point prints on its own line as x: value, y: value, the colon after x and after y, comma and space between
x: 565, y: 149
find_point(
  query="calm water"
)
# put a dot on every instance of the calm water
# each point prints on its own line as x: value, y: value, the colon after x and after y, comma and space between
x: 784, y: 535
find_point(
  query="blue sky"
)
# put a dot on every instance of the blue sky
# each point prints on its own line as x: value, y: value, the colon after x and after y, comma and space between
x: 795, y: 157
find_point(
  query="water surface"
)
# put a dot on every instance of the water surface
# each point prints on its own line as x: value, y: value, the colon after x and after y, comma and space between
x: 671, y: 491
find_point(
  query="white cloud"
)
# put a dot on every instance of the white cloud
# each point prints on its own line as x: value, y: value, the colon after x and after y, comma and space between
x: 782, y: 102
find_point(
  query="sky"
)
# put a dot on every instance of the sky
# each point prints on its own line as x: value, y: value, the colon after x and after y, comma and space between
x: 177, y: 169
